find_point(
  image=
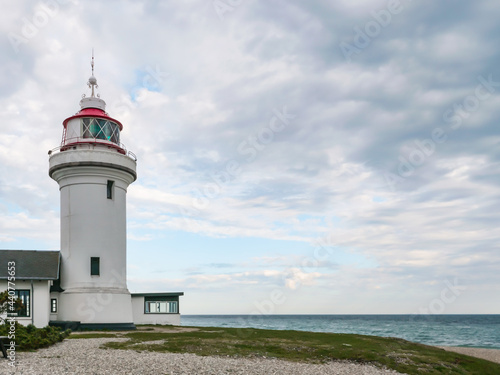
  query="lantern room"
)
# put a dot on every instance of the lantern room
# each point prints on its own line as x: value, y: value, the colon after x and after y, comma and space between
x: 92, y: 125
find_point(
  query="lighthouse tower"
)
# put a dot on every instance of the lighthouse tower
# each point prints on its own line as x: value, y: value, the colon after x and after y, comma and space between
x: 93, y: 170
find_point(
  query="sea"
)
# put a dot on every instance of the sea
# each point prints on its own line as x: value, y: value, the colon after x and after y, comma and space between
x: 479, y: 331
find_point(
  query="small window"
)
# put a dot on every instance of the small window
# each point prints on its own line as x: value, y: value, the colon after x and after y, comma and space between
x: 53, y: 305
x: 94, y: 266
x: 109, y: 189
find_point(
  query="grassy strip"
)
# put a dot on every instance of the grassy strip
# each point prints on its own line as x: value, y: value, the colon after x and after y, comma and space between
x: 400, y: 355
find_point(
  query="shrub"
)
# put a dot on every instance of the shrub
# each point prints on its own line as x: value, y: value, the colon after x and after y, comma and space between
x: 30, y: 338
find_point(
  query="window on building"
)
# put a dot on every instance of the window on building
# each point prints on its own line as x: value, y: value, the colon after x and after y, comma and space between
x: 53, y: 305
x: 109, y: 189
x: 94, y: 266
x: 24, y: 309
x: 161, y: 307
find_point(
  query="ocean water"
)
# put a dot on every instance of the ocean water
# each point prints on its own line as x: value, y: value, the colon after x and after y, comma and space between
x: 481, y: 331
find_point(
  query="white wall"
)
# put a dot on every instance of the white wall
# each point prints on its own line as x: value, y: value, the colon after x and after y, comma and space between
x: 40, y: 301
x: 141, y: 318
x: 93, y: 307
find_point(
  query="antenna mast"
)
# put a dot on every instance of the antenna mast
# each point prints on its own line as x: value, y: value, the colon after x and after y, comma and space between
x: 92, y: 80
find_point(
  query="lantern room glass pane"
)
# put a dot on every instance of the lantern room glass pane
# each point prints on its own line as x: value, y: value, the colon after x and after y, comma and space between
x: 108, y: 130
x: 115, y: 135
x: 94, y: 128
x: 100, y: 129
x: 101, y: 125
x: 86, y: 127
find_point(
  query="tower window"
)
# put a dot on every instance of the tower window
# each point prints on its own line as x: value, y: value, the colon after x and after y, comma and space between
x: 109, y: 189
x: 94, y: 266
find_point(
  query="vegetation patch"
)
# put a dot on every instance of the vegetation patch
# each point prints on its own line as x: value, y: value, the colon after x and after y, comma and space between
x: 30, y: 337
x: 312, y: 347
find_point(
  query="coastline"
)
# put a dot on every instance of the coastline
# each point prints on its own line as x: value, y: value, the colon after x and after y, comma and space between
x: 461, y: 330
x: 492, y: 355
x: 71, y: 356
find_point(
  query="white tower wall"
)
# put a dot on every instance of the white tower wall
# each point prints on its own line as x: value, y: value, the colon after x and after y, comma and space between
x: 92, y: 225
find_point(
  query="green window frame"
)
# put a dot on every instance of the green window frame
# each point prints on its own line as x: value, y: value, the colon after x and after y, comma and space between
x: 95, y: 266
x: 109, y: 189
x: 161, y: 305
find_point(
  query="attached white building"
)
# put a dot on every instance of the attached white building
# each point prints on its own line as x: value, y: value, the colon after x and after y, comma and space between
x: 88, y: 288
x: 35, y: 283
x: 156, y: 308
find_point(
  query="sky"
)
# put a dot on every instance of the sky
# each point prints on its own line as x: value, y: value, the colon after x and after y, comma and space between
x: 294, y: 157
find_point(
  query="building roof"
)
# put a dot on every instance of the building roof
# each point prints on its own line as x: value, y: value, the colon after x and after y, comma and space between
x: 92, y: 112
x: 30, y: 264
x: 160, y: 294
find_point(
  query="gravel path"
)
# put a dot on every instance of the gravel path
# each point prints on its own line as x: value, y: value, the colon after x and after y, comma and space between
x: 83, y: 356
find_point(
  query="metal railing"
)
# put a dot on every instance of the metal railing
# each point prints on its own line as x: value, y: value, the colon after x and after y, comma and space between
x: 91, y: 143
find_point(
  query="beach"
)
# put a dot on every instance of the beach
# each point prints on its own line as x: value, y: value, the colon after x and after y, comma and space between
x: 492, y: 355
x: 83, y: 356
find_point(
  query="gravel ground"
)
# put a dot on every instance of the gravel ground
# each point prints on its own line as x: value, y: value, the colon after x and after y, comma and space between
x: 83, y: 356
x: 492, y: 355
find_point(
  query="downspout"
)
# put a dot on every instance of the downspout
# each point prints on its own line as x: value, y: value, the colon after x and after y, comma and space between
x: 32, y: 304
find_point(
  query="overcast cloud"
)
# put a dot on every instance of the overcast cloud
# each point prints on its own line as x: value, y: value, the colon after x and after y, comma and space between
x: 344, y: 155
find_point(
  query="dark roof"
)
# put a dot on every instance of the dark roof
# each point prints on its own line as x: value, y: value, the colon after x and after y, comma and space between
x: 30, y: 264
x: 165, y: 294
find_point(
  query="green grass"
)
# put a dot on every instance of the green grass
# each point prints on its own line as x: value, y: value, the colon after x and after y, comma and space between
x: 400, y: 355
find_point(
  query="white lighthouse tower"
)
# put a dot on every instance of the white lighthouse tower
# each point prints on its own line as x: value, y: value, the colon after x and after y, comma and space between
x: 93, y: 170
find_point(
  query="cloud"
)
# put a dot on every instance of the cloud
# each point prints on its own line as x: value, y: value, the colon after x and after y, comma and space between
x: 197, y: 95
x: 292, y: 279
